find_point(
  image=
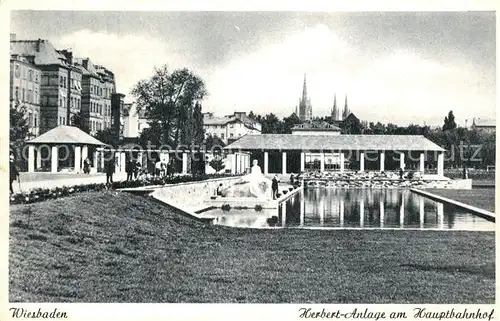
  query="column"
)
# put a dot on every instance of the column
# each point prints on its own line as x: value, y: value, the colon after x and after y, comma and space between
x: 31, y: 158
x: 38, y: 157
x: 283, y: 158
x: 402, y: 160
x: 440, y: 214
x: 321, y: 213
x: 302, y: 210
x: 422, y: 162
x: 362, y: 162
x: 184, y: 163
x: 232, y: 160
x: 361, y: 212
x: 95, y: 160
x: 78, y: 159
x: 85, y: 152
x: 382, y: 161
x: 266, y: 163
x: 283, y: 214
x: 139, y: 157
x: 302, y: 162
x: 322, y: 162
x: 341, y: 213
x: 402, y: 212
x: 54, y: 158
x: 382, y: 214
x: 440, y: 165
x: 102, y: 159
x: 342, y: 162
x: 422, y: 212
x: 236, y: 163
x: 122, y: 162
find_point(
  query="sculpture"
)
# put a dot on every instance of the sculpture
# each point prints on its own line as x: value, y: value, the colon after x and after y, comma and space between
x: 254, y: 185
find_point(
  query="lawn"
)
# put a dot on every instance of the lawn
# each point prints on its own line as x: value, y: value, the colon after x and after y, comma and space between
x: 483, y: 198
x: 118, y: 247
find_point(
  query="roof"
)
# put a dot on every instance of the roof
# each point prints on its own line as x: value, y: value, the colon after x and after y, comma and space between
x: 315, y: 126
x: 63, y: 134
x: 484, y: 122
x: 43, y: 51
x: 337, y: 142
x: 218, y: 120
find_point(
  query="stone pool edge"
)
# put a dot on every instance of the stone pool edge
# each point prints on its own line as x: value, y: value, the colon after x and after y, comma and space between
x: 476, y: 210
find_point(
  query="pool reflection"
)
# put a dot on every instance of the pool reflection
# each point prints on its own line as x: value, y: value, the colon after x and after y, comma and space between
x: 357, y: 208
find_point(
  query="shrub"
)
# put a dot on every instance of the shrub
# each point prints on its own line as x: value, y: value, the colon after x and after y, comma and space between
x: 258, y: 207
x: 226, y: 207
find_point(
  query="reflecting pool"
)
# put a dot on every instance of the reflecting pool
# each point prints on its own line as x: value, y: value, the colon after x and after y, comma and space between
x: 356, y: 208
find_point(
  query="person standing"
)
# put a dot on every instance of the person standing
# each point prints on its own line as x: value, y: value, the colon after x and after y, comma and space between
x: 110, y: 170
x: 137, y: 168
x: 13, y: 173
x: 274, y: 186
x: 86, y: 166
x: 401, y: 173
x: 129, y: 169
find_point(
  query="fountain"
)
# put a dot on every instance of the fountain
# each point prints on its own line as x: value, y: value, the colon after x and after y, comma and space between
x: 253, y: 185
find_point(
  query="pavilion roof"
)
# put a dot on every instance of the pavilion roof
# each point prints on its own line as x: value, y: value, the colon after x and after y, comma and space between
x: 63, y: 134
x: 334, y: 142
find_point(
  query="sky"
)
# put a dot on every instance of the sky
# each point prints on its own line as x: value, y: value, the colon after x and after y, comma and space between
x: 399, y: 67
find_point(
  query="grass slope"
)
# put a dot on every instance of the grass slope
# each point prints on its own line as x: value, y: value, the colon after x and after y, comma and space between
x: 483, y: 198
x: 118, y: 247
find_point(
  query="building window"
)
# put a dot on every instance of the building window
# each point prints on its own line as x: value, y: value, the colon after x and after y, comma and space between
x: 35, y: 119
x: 36, y: 97
x: 18, y: 71
x: 30, y: 96
x: 231, y: 135
x: 17, y: 93
x: 61, y: 81
x: 222, y: 136
x: 24, y: 91
x: 30, y: 119
x: 36, y: 77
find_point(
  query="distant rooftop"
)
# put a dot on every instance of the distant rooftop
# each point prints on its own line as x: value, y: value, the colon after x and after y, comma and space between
x: 478, y: 122
x: 315, y: 126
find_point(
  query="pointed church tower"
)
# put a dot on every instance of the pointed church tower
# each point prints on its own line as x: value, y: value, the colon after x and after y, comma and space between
x: 346, y: 111
x: 305, y: 110
x: 335, y: 110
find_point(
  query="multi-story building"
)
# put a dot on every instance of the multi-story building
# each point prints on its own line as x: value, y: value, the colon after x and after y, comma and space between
x: 231, y: 127
x: 55, y: 93
x: 74, y: 99
x: 25, y: 90
x: 98, y: 86
x: 108, y: 89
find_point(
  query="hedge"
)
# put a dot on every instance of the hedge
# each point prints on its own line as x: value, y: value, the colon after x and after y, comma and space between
x: 41, y: 194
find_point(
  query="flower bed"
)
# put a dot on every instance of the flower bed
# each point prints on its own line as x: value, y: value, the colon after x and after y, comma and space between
x: 41, y: 194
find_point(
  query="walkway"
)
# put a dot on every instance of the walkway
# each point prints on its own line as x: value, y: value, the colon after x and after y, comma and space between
x: 483, y: 198
x: 31, y: 181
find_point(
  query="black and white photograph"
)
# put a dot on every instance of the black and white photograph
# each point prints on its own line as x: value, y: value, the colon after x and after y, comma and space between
x: 297, y: 157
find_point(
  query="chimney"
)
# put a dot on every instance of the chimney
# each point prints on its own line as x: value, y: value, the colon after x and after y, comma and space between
x: 12, y: 37
x: 38, y: 44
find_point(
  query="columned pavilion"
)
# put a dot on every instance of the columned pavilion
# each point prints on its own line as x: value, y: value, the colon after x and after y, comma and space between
x: 65, y: 147
x: 291, y: 151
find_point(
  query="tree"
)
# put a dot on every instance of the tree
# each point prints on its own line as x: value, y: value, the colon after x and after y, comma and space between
x: 289, y: 122
x: 217, y: 163
x: 449, y: 122
x: 19, y: 127
x: 168, y: 99
x: 106, y: 136
x: 78, y: 120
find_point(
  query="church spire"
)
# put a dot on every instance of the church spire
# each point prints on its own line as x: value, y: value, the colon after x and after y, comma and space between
x: 335, y: 111
x: 346, y: 111
x: 304, y: 89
